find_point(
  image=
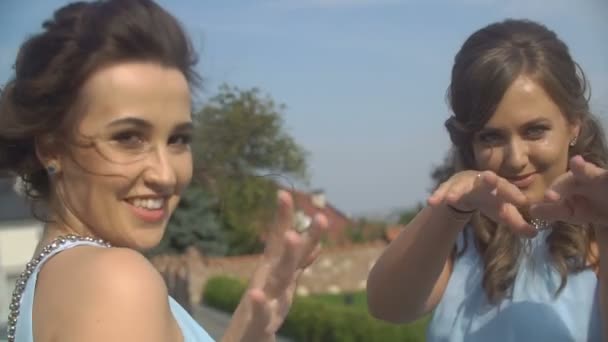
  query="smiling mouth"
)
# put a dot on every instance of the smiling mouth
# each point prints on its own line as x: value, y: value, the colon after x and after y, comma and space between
x: 148, y: 209
x: 147, y: 203
x: 523, y: 181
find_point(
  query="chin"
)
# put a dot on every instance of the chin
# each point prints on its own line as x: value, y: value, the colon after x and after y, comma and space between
x: 145, y: 238
x: 152, y: 239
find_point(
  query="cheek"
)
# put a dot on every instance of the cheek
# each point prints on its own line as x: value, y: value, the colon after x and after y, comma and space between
x: 550, y: 159
x: 183, y: 170
x: 87, y: 175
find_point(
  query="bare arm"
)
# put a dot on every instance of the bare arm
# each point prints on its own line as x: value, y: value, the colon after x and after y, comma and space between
x: 411, y: 275
x: 409, y: 278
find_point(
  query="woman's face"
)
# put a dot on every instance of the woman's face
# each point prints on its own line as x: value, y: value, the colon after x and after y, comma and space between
x: 128, y: 158
x: 526, y: 140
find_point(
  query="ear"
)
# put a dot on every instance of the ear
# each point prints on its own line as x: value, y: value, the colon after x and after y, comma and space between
x: 47, y: 153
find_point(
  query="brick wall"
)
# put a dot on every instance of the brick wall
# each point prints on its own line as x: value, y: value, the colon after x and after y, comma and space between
x: 337, y: 270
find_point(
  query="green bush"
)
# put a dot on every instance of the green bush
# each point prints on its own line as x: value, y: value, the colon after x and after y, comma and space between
x: 317, y: 320
x: 356, y: 299
x: 223, y: 293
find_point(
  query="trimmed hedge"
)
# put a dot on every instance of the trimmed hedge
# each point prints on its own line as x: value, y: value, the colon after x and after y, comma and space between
x: 224, y: 293
x: 313, y: 320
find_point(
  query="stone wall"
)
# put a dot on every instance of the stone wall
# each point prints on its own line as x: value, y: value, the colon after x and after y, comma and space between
x: 337, y: 270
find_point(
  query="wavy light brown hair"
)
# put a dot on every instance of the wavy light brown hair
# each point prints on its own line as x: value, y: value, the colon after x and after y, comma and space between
x: 52, y: 66
x: 484, y: 68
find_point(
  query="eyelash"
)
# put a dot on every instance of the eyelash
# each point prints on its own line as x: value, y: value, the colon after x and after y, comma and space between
x: 533, y: 132
x: 488, y: 138
x: 186, y: 139
x: 125, y: 139
x: 536, y: 131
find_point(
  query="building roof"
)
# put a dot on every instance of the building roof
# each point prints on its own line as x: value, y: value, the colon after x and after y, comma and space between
x: 13, y: 207
x: 315, y: 202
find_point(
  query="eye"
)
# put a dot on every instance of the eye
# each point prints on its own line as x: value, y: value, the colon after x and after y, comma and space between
x: 489, y: 138
x: 536, y: 132
x: 129, y: 139
x: 180, y: 139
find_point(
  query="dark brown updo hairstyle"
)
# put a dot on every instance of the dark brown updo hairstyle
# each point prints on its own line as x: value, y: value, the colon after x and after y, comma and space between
x: 484, y: 68
x: 52, y: 66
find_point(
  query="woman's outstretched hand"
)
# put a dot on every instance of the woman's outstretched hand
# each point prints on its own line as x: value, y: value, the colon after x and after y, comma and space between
x: 579, y: 196
x: 485, y: 191
x: 268, y: 299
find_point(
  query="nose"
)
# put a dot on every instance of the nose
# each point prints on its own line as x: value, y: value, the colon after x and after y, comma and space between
x: 160, y: 172
x: 516, y: 155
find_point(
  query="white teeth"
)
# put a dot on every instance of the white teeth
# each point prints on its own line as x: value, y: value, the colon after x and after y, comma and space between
x: 151, y: 204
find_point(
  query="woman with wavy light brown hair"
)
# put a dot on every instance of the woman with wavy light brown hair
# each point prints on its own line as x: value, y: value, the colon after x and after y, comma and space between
x: 97, y: 124
x: 509, y: 247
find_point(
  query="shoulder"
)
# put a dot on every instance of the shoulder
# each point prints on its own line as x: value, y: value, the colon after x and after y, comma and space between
x: 88, y: 267
x: 108, y: 294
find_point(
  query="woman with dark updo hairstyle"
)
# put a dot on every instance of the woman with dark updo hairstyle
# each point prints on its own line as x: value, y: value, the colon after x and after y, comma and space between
x: 513, y: 246
x: 96, y: 125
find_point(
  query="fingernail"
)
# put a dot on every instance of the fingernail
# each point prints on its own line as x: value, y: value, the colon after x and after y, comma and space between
x: 551, y: 194
x: 292, y: 238
x: 283, y: 196
x: 321, y: 220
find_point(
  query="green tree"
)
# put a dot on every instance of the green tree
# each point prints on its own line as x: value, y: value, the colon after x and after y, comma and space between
x: 240, y: 141
x: 194, y: 223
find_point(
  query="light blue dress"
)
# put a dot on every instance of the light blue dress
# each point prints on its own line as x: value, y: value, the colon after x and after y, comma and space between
x: 191, y: 330
x: 532, y: 313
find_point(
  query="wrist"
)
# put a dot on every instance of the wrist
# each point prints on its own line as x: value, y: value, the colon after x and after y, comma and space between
x: 455, y: 215
x: 460, y: 211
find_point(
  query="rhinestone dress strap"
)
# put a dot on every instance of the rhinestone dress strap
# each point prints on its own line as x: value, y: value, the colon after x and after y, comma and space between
x: 31, y: 268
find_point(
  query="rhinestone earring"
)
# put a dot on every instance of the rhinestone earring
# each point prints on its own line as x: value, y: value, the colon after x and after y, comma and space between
x: 573, y: 141
x: 51, y: 169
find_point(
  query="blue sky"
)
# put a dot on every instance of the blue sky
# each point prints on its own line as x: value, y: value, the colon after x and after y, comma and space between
x: 364, y: 80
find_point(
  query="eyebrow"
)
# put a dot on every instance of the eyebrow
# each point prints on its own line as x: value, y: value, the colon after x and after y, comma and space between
x: 532, y: 122
x: 143, y: 124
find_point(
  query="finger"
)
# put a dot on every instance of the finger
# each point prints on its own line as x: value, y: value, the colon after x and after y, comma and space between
x: 487, y: 179
x: 486, y: 184
x: 510, y: 216
x: 502, y: 202
x: 283, y: 222
x: 557, y: 211
x: 485, y: 189
x: 583, y: 170
x: 312, y: 239
x: 576, y: 209
x: 312, y: 256
x: 459, y: 193
x: 283, y: 271
x: 438, y: 195
x: 456, y: 193
x: 261, y: 317
x: 563, y: 186
x: 508, y: 192
x: 573, y: 182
